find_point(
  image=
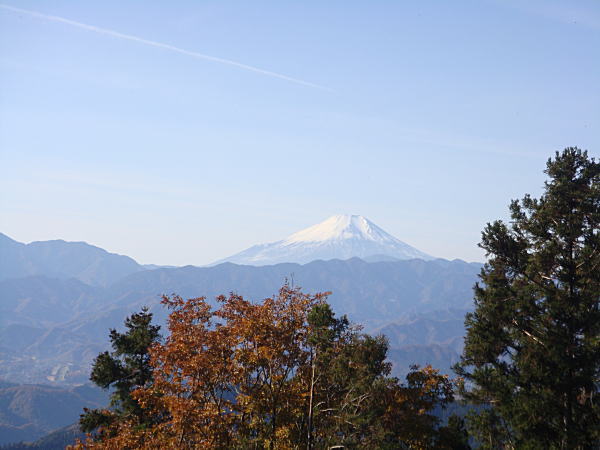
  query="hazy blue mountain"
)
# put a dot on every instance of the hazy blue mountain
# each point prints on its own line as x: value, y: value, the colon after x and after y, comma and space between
x: 58, y: 343
x: 380, y: 291
x: 31, y: 411
x: 339, y: 237
x: 58, y: 301
x: 443, y: 327
x: 55, y: 440
x: 441, y: 357
x: 61, y: 259
x: 40, y: 300
x: 434, y: 338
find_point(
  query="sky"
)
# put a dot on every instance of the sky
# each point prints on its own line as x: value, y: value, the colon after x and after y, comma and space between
x: 183, y: 132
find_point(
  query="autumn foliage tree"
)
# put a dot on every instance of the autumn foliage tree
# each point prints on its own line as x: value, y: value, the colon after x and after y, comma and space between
x: 281, y: 373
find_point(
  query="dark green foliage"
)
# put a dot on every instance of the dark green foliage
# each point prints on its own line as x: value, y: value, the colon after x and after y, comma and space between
x: 93, y: 419
x: 454, y: 435
x: 489, y: 429
x: 348, y: 370
x: 123, y: 370
x: 356, y: 403
x: 532, y: 350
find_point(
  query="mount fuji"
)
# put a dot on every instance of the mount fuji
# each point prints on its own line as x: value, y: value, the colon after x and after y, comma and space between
x: 339, y: 237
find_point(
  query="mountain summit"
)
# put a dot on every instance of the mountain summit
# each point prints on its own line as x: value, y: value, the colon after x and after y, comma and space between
x: 339, y: 237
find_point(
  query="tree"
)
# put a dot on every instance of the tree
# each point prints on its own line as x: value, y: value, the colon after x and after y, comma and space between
x: 454, y: 435
x: 124, y: 369
x: 226, y: 377
x: 281, y: 373
x: 532, y: 349
x: 348, y: 379
x: 354, y: 403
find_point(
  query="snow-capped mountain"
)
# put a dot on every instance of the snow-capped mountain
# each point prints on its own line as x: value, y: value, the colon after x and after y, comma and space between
x: 339, y: 237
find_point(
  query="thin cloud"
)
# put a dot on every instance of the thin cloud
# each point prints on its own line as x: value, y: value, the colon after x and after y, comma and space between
x: 171, y: 48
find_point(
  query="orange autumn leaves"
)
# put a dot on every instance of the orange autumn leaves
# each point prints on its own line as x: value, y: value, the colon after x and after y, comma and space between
x: 240, y: 375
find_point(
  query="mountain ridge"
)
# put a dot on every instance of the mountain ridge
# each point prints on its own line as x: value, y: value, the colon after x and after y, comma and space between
x: 59, y: 343
x: 63, y: 259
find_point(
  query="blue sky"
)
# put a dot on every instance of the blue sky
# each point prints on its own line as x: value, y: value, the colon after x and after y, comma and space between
x: 429, y: 116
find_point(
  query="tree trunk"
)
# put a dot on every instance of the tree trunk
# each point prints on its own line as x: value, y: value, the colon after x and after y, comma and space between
x: 309, y: 444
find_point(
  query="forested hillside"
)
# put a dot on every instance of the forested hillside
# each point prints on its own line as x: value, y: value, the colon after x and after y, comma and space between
x: 31, y: 411
x: 51, y: 329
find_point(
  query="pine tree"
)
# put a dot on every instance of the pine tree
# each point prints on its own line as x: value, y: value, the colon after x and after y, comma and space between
x: 532, y: 349
x: 348, y: 381
x: 453, y: 435
x: 354, y: 403
x: 124, y: 369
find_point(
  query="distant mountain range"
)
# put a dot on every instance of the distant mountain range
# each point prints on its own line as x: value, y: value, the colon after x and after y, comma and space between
x: 31, y: 411
x: 50, y: 329
x: 58, y: 300
x: 339, y: 237
x: 59, y: 259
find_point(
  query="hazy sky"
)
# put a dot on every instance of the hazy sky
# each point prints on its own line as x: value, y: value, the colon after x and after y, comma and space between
x: 427, y: 117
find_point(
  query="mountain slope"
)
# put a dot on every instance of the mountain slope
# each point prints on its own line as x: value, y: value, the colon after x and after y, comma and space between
x: 55, y: 440
x: 374, y: 294
x: 39, y: 300
x: 31, y: 411
x: 339, y: 237
x: 60, y: 259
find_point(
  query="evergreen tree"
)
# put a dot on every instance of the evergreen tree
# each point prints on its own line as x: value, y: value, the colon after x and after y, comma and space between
x: 454, y: 435
x: 354, y: 402
x: 348, y: 381
x: 124, y: 369
x: 532, y: 349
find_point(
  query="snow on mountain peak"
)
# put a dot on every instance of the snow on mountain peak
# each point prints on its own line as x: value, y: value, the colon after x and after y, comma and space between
x: 339, y: 237
x: 338, y: 227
